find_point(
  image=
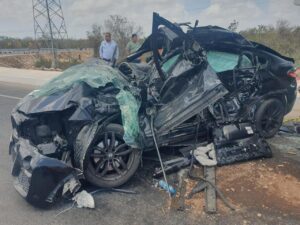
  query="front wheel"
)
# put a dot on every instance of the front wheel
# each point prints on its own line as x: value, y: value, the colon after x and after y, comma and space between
x: 269, y: 117
x: 110, y: 162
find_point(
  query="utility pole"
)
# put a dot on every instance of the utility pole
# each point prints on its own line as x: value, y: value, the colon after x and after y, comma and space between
x: 51, y: 35
x: 49, y: 25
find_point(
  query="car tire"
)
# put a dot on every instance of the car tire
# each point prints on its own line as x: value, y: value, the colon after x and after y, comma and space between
x: 108, y: 168
x: 268, y: 117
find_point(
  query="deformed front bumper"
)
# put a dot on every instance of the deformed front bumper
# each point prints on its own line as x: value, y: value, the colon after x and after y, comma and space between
x: 39, y: 179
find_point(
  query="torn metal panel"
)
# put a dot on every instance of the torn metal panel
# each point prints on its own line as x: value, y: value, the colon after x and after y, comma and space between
x: 38, y: 178
x: 77, y: 86
x: 239, y: 143
x: 197, y: 93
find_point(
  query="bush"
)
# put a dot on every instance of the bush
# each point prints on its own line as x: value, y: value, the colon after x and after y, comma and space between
x: 66, y: 64
x: 42, y: 62
x: 283, y: 38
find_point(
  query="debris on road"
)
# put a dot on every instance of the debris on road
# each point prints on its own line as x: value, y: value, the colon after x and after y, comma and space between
x: 206, y: 155
x: 84, y: 199
x: 290, y: 128
x: 172, y: 166
x: 168, y: 188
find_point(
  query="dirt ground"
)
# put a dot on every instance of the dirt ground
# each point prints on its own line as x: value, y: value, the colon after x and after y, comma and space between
x: 27, y: 61
x: 264, y: 191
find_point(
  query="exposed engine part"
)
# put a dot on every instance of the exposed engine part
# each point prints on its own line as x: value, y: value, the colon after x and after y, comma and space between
x: 237, y: 143
x: 225, y: 110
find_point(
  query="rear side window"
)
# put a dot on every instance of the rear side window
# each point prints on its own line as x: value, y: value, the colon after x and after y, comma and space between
x: 245, y: 62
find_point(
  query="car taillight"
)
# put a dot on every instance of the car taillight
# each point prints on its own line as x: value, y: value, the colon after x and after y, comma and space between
x: 295, y: 73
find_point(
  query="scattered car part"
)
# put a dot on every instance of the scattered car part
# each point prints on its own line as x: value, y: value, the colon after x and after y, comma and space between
x: 84, y: 199
x: 172, y: 166
x: 163, y: 184
x: 291, y: 128
x: 113, y: 190
x: 231, y: 147
x: 210, y: 191
x: 206, y: 155
x: 201, y: 185
x: 211, y: 183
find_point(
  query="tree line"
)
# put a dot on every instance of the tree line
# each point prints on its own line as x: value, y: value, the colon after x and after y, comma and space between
x: 282, y: 37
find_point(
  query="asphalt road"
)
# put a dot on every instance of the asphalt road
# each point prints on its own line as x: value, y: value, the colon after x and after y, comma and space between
x: 150, y: 206
x: 111, y: 208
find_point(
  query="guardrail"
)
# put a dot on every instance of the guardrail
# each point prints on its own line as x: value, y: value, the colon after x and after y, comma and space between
x: 24, y: 51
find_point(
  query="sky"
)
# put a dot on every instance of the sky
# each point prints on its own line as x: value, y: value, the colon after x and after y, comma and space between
x: 16, y: 18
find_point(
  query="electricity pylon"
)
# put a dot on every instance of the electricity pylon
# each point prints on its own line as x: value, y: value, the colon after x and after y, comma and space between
x: 49, y: 24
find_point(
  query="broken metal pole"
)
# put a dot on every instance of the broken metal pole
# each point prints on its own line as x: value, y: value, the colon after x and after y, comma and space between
x: 210, y: 191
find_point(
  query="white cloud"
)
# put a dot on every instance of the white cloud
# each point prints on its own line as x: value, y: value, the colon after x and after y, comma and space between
x: 222, y: 12
x: 16, y: 15
x: 86, y: 12
x: 287, y: 10
x: 16, y: 18
x: 213, y: 10
x: 248, y: 12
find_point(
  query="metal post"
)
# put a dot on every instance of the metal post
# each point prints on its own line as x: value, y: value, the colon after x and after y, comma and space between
x: 210, y: 192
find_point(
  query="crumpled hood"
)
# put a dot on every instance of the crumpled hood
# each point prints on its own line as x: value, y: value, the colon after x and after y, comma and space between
x: 80, y: 87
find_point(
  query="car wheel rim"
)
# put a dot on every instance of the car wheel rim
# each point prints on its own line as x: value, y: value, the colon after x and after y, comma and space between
x: 271, y: 119
x: 111, y: 157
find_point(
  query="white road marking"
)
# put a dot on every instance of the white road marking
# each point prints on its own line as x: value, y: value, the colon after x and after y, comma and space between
x: 11, y: 97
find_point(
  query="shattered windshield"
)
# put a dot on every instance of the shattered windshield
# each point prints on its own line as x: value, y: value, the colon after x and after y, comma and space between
x: 97, y: 74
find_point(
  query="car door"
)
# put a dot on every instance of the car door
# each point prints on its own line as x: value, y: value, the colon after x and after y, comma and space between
x: 188, y: 90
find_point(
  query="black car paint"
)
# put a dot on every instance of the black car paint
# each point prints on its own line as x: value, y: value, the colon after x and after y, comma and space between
x: 41, y: 181
x: 193, y: 86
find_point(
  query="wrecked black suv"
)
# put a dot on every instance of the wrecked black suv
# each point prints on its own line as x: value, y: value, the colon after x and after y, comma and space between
x: 205, y: 85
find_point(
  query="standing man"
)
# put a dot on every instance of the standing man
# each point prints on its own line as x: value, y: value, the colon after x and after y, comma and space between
x: 109, y: 50
x: 133, y: 45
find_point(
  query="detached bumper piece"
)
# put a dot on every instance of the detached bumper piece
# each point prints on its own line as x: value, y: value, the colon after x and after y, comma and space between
x: 39, y: 179
x: 238, y: 143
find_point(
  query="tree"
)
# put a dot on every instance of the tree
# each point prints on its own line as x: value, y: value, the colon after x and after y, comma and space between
x: 121, y: 30
x: 95, y: 38
x: 233, y: 26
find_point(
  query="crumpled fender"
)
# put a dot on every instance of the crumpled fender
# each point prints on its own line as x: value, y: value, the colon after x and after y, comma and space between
x: 38, y: 178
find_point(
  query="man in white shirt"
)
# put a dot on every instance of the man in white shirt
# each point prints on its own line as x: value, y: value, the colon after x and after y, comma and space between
x: 109, y: 50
